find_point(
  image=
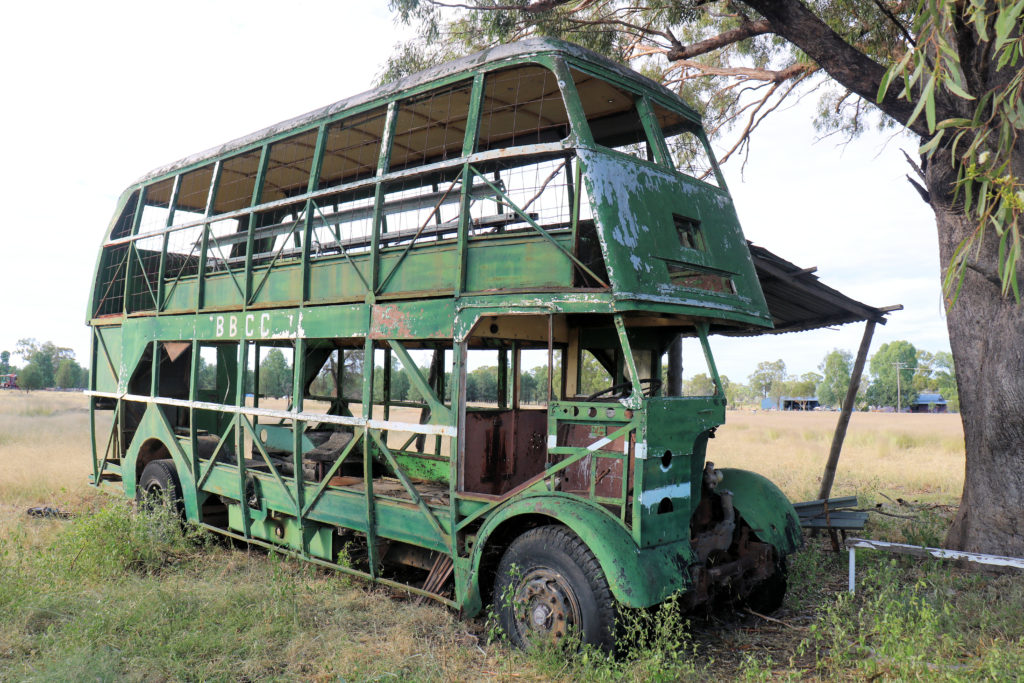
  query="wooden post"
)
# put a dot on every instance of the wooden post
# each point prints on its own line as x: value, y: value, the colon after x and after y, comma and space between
x: 844, y: 416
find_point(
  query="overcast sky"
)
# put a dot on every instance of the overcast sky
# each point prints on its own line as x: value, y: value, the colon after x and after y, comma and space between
x: 97, y: 95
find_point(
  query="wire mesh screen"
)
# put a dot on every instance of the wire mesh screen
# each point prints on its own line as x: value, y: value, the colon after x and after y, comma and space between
x: 431, y: 127
x: 184, y: 245
x: 156, y: 207
x: 516, y: 191
x: 237, y: 180
x: 424, y: 209
x: 522, y: 106
x: 288, y: 166
x: 688, y: 153
x: 352, y: 149
x: 342, y: 223
x: 143, y: 281
x: 109, y: 292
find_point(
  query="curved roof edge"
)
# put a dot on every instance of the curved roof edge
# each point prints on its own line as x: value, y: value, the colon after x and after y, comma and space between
x: 498, y: 53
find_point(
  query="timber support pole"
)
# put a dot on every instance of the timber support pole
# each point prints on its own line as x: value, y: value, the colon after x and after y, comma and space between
x: 844, y: 416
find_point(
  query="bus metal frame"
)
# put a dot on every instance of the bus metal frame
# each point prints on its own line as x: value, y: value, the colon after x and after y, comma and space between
x: 627, y: 476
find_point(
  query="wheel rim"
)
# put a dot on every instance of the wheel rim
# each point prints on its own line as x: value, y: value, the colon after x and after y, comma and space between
x: 546, y: 606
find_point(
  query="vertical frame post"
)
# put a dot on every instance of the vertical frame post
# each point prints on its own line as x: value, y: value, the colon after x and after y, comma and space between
x: 298, y: 429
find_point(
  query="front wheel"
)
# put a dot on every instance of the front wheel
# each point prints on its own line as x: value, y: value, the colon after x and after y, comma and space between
x: 549, y: 584
x: 768, y: 595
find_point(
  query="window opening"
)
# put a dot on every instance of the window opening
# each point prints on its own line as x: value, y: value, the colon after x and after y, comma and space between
x: 278, y: 232
x: 522, y: 105
x: 114, y: 262
x: 424, y: 208
x: 184, y: 245
x: 690, y: 233
x: 431, y: 127
x: 696, y: 375
x: 237, y: 180
x: 688, y: 152
x: 506, y: 406
x: 538, y: 187
x: 612, y: 116
x: 352, y: 149
x: 156, y: 207
x: 695, y: 277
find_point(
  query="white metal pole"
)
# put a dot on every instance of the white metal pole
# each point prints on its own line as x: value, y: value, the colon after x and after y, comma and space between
x: 853, y: 571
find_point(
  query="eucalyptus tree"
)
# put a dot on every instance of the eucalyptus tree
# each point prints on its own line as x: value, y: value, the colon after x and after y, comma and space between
x: 949, y: 72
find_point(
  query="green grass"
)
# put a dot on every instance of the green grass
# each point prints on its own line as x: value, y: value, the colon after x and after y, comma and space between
x: 115, y: 595
x: 118, y: 595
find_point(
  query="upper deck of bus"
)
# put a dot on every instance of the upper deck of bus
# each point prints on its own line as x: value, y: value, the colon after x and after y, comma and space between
x: 535, y: 167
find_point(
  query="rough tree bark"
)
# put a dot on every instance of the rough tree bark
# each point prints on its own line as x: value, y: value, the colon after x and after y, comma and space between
x: 986, y: 334
x: 986, y: 329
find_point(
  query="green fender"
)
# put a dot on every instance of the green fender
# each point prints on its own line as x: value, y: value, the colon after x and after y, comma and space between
x: 765, y: 508
x: 637, y: 577
x: 153, y: 425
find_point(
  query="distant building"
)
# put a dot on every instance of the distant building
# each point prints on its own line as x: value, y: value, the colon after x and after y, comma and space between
x: 790, y: 403
x: 929, y: 403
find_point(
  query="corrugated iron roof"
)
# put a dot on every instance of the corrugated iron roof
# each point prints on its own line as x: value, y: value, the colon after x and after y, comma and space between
x: 798, y: 300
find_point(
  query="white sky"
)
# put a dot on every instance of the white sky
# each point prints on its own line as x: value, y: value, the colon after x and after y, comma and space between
x: 97, y: 95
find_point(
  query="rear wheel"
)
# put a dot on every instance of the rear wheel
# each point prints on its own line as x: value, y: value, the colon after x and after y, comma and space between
x: 159, y: 485
x: 549, y: 584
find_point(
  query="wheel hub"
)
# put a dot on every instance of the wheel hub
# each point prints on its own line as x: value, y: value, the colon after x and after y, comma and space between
x: 547, y: 606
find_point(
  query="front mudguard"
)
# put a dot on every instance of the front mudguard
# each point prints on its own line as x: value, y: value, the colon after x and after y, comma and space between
x: 765, y: 508
x: 637, y: 577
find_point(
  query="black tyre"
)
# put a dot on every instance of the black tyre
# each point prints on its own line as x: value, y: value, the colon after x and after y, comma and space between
x: 159, y: 485
x: 767, y: 596
x: 549, y: 584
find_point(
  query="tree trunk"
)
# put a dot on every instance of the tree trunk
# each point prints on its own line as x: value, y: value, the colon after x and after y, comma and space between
x: 986, y: 334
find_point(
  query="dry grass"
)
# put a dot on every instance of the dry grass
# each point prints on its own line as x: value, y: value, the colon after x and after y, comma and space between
x: 224, y: 614
x: 901, y: 455
x: 44, y: 448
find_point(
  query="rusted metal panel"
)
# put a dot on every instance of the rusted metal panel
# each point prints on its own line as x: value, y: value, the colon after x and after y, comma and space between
x: 504, y: 448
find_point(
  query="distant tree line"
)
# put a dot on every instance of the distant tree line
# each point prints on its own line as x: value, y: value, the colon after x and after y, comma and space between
x: 919, y: 372
x: 897, y: 374
x: 46, y: 366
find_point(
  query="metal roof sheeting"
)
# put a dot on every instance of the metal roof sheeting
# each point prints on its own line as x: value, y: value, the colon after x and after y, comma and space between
x: 798, y: 300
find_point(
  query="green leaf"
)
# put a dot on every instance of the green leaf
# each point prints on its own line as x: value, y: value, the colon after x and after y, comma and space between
x: 929, y: 104
x: 926, y: 95
x: 930, y: 146
x: 954, y: 88
x: 1005, y: 21
x: 953, y: 123
x: 979, y: 19
x: 883, y: 86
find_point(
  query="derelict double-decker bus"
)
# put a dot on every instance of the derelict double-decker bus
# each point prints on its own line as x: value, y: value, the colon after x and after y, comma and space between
x: 532, y: 204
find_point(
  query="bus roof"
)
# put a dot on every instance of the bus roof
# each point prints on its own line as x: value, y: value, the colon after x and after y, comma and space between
x: 520, y: 49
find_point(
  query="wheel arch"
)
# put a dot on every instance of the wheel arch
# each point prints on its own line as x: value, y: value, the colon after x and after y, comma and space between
x: 154, y: 440
x: 636, y: 578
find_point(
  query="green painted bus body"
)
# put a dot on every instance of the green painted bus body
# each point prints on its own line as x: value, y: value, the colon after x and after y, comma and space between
x: 660, y: 254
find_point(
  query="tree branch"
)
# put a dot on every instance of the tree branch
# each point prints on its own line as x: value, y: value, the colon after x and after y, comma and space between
x: 896, y: 22
x: 535, y: 7
x: 746, y: 30
x: 792, y: 20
